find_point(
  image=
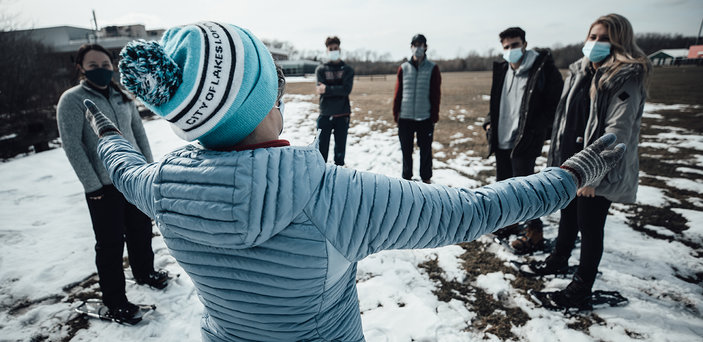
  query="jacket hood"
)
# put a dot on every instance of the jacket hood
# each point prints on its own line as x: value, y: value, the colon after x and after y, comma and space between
x: 527, y: 62
x: 627, y: 72
x: 234, y: 199
x: 579, y: 66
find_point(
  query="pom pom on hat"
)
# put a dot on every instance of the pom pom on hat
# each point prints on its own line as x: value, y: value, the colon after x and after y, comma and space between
x: 148, y: 72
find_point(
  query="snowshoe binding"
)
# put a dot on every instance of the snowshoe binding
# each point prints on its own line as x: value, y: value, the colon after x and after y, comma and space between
x: 127, y: 313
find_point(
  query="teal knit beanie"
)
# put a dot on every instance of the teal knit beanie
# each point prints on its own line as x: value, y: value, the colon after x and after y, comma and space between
x: 213, y: 82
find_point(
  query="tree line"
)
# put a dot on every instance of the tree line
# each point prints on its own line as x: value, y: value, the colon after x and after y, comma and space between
x: 34, y: 77
x: 366, y: 62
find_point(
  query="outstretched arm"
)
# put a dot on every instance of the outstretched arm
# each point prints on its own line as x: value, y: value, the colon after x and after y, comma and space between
x: 363, y: 213
x: 129, y: 170
x: 382, y: 213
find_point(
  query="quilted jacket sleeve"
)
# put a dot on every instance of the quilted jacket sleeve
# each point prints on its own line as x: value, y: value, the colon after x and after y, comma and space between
x: 129, y: 171
x: 364, y: 213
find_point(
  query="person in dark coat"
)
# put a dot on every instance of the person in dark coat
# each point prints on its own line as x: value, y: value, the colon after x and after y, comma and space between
x: 335, y: 80
x: 524, y: 95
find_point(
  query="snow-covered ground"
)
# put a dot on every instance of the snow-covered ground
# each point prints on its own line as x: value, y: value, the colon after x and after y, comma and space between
x: 47, y: 257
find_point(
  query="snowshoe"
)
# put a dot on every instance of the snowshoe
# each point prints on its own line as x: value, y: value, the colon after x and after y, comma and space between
x: 577, y: 296
x: 599, y: 299
x: 157, y: 279
x: 542, y: 268
x: 531, y: 239
x: 130, y: 314
x: 505, y: 232
x: 547, y: 246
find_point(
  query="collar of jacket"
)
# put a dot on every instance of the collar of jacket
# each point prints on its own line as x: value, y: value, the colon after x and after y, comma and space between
x: 340, y: 63
x: 626, y: 73
x: 528, y: 63
x: 87, y: 87
x: 265, y: 144
x: 539, y: 59
x: 417, y: 65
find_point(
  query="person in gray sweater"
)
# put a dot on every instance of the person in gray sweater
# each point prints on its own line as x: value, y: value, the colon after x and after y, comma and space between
x: 114, y: 219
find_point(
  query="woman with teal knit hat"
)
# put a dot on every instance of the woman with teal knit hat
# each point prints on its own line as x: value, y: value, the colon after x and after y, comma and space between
x: 269, y: 234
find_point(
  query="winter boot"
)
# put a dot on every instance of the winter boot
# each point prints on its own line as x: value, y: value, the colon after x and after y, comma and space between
x: 554, y: 264
x: 505, y: 232
x: 155, y: 279
x: 576, y: 295
x: 531, y: 241
x: 125, y: 313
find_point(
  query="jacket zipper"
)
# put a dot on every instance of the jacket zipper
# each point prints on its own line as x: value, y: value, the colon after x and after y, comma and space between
x: 523, y: 114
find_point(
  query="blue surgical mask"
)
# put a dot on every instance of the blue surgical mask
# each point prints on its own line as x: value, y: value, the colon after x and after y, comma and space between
x: 512, y: 55
x: 596, y: 51
x: 333, y: 55
x: 99, y: 76
x: 418, y: 51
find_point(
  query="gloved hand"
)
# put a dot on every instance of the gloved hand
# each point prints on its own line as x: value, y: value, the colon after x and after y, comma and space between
x: 102, y: 126
x: 594, y: 161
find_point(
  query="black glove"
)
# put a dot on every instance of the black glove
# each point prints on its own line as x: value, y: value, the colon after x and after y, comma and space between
x: 594, y: 161
x: 102, y: 126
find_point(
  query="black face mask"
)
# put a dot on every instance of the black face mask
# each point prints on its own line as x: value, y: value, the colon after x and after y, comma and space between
x: 100, y: 77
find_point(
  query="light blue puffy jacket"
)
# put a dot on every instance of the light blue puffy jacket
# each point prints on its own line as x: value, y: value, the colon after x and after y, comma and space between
x: 271, y: 237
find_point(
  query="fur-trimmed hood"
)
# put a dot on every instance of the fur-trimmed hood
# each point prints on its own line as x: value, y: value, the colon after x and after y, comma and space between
x: 627, y: 72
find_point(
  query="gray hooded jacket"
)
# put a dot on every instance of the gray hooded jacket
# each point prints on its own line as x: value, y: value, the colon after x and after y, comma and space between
x: 616, y: 108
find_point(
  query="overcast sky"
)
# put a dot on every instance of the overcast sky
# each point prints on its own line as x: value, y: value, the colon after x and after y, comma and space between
x: 453, y: 28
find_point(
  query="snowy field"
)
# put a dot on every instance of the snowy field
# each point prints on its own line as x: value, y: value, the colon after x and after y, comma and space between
x: 47, y: 257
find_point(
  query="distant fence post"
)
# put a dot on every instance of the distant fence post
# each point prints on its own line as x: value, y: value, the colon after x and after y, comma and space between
x: 371, y: 77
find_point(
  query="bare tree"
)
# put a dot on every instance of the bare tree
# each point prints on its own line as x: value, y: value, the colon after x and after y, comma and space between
x: 30, y: 87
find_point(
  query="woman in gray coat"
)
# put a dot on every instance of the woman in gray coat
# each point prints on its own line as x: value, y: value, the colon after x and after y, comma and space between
x: 603, y: 93
x: 114, y: 219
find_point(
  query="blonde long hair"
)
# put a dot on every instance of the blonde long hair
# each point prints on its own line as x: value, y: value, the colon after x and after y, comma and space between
x: 623, y: 48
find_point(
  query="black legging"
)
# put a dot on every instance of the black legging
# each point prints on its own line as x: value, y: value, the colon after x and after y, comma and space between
x: 116, y: 221
x: 407, y: 130
x: 586, y: 215
x: 340, y: 126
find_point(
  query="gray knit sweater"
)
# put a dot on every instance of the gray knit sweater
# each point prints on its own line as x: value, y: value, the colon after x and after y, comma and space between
x: 80, y: 142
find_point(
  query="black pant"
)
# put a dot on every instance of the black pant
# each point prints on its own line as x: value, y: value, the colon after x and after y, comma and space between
x: 586, y: 215
x: 115, y: 221
x: 340, y: 126
x: 507, y: 167
x: 406, y: 134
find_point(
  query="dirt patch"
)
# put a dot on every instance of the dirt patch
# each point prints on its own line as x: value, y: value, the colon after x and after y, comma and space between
x: 83, y: 289
x: 446, y: 289
x: 24, y: 305
x: 74, y: 325
x: 634, y: 335
x: 584, y: 322
x: 657, y: 216
x: 492, y: 316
